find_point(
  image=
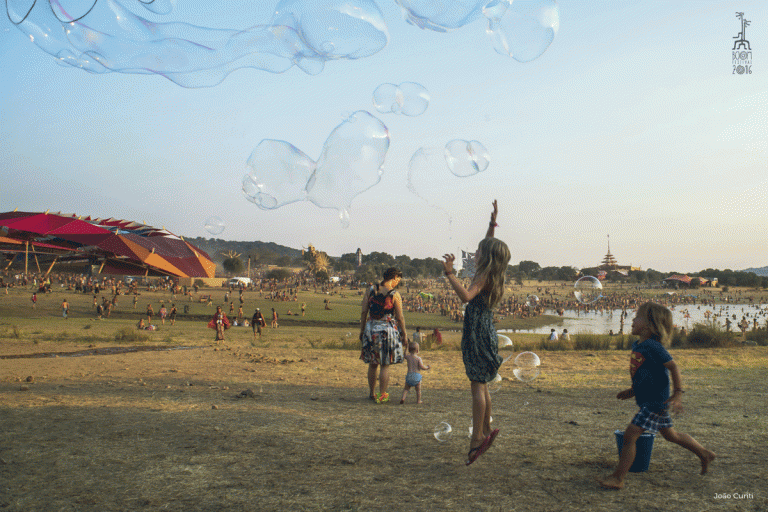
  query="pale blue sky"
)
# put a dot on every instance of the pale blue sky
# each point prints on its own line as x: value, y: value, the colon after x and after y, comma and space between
x: 631, y: 123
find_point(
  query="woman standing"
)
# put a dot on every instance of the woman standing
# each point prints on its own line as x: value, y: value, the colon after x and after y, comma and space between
x: 382, y: 331
x: 220, y: 322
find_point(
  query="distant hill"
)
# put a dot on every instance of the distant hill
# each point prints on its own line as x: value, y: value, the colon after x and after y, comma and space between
x: 762, y: 271
x: 267, y: 252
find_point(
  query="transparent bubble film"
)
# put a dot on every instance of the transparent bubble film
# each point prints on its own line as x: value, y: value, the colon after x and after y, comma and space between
x: 214, y: 225
x: 408, y: 98
x: 106, y: 36
x: 588, y: 290
x: 465, y: 158
x: 522, y: 29
x: 441, y: 15
x: 351, y: 162
x: 443, y: 431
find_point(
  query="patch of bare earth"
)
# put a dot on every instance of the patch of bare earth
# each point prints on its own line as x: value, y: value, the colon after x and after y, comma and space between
x: 174, y: 431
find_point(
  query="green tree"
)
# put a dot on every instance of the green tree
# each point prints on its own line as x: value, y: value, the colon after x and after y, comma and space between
x: 233, y: 265
x: 529, y: 267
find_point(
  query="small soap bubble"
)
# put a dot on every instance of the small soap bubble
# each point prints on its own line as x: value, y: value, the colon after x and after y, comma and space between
x: 494, y: 384
x: 408, y: 98
x: 443, y: 431
x: 532, y: 301
x: 588, y: 290
x: 214, y: 225
x: 525, y: 29
x: 506, y: 348
x: 527, y: 360
x: 526, y: 374
x: 465, y: 158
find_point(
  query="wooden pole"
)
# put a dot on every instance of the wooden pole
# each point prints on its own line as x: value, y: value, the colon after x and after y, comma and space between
x: 102, y: 266
x: 26, y: 258
x: 34, y: 253
x: 51, y: 267
x: 10, y: 262
x: 249, y: 267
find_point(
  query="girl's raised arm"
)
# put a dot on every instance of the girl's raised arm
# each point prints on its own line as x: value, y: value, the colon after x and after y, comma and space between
x: 492, y: 224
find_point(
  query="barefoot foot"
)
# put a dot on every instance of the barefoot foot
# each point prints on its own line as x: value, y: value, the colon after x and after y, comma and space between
x: 708, y: 457
x: 610, y: 482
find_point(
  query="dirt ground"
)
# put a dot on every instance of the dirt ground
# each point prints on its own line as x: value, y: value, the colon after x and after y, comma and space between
x: 166, y: 430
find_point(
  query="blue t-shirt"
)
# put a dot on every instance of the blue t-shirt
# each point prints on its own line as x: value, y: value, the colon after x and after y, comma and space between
x: 650, y: 378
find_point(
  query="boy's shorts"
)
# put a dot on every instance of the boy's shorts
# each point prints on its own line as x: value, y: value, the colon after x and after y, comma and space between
x: 412, y: 379
x: 651, y: 421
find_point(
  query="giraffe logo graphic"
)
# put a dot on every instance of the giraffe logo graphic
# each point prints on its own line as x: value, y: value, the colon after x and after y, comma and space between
x: 741, y: 42
x: 741, y: 53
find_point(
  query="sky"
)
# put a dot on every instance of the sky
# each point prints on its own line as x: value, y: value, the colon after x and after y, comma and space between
x: 633, y: 123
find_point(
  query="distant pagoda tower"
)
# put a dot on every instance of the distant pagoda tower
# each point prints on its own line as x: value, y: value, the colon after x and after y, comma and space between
x: 359, y: 255
x: 609, y: 262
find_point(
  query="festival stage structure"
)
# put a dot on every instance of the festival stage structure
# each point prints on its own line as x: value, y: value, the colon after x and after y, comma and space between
x: 118, y: 246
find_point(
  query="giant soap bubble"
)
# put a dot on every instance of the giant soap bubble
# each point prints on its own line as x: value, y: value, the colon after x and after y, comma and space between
x: 522, y: 29
x: 350, y: 163
x: 441, y: 15
x: 408, y: 98
x: 105, y: 36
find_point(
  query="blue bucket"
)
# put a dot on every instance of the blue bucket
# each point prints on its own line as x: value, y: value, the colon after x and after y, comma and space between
x: 643, y: 449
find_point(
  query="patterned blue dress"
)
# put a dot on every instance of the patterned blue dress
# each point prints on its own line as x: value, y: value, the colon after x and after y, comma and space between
x: 479, y: 341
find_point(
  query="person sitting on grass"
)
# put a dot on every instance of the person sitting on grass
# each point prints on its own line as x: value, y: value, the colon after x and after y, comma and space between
x: 413, y: 377
x: 650, y: 366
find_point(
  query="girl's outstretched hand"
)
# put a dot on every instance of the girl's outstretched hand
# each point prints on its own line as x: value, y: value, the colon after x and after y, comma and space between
x: 448, y: 263
x: 494, y: 213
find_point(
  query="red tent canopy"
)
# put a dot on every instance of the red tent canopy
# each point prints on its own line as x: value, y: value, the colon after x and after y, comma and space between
x: 124, y: 247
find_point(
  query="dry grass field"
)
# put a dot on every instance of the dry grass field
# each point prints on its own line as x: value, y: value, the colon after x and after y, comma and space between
x: 171, y: 430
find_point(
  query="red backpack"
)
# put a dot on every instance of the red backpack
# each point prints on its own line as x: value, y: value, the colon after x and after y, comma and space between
x: 379, y: 304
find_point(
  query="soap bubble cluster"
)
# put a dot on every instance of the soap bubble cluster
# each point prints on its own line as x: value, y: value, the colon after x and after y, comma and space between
x: 408, y: 98
x: 465, y: 158
x: 106, y: 36
x: 351, y: 162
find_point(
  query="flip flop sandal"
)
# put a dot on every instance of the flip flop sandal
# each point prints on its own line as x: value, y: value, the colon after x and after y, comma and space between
x: 491, y: 437
x: 475, y: 453
x: 384, y: 397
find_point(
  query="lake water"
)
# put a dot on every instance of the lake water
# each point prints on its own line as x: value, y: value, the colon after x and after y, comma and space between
x: 682, y: 316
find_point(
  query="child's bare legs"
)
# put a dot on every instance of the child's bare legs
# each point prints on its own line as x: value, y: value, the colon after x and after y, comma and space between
x: 405, y: 393
x: 481, y: 413
x: 418, y: 393
x: 686, y: 441
x: 628, y: 450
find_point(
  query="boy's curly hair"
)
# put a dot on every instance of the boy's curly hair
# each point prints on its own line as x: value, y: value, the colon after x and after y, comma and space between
x: 659, y: 320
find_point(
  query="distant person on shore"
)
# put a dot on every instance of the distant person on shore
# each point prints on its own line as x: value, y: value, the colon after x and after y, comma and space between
x: 650, y: 366
x: 565, y: 336
x: 274, y: 319
x: 65, y: 309
x: 413, y: 377
x: 150, y: 314
x: 479, y: 341
x: 438, y: 336
x: 34, y: 300
x: 382, y: 332
x: 172, y: 315
x: 553, y: 335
